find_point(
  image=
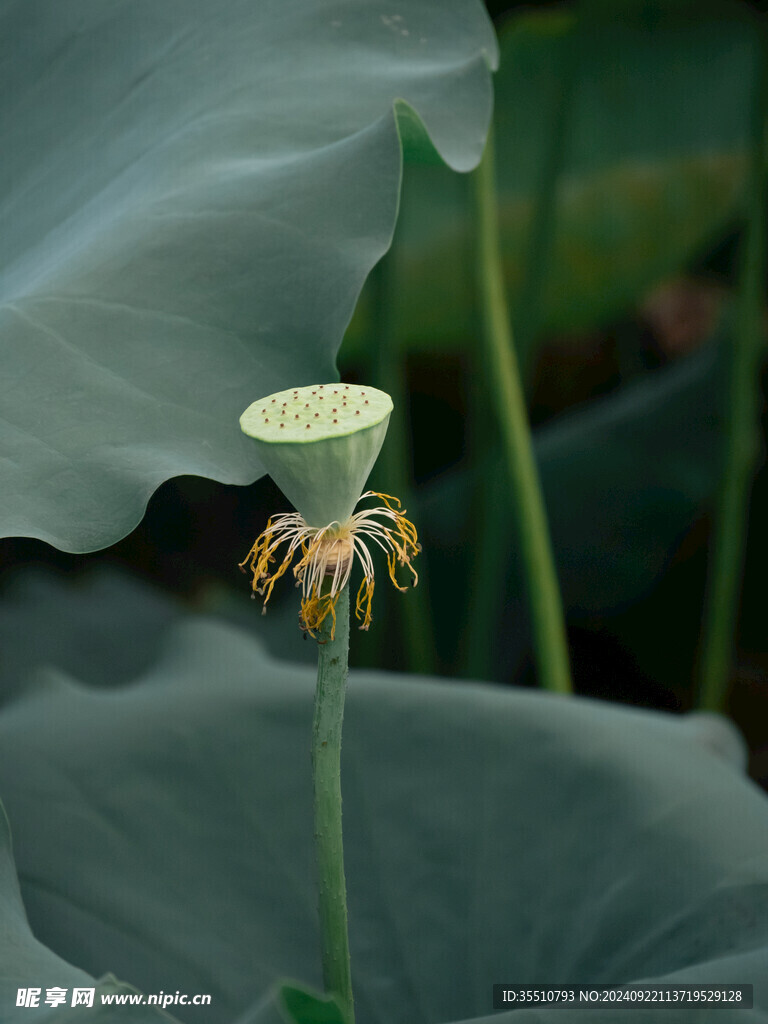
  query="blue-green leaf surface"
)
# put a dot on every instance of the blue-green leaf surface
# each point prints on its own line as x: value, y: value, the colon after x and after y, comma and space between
x: 26, y: 963
x: 191, y: 197
x: 162, y: 831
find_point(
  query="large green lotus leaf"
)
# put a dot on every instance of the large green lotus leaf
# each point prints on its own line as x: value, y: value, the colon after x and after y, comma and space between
x: 106, y: 627
x: 79, y: 626
x: 192, y: 196
x: 624, y: 478
x: 652, y: 167
x: 25, y: 963
x: 162, y: 831
x: 24, y: 960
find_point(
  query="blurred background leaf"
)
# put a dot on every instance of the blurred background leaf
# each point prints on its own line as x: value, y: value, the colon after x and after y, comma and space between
x: 162, y: 831
x: 80, y: 624
x: 191, y: 201
x: 652, y: 169
x: 624, y: 478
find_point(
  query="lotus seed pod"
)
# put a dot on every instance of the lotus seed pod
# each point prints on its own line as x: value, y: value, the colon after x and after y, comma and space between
x: 319, y: 444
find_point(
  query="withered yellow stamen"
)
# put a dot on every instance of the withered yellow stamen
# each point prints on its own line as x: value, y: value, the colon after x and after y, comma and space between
x: 327, y: 554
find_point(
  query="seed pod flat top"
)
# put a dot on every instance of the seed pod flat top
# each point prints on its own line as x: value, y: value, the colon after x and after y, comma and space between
x: 319, y: 444
x: 315, y: 413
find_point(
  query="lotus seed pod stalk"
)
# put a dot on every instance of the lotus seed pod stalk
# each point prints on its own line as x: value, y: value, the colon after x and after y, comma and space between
x: 319, y: 444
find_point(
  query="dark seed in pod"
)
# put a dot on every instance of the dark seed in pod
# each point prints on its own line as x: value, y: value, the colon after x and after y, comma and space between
x: 307, y: 426
x: 335, y: 421
x: 282, y: 424
x: 296, y: 416
x: 266, y: 420
x: 335, y: 410
x: 357, y: 412
x: 317, y: 414
x: 273, y: 401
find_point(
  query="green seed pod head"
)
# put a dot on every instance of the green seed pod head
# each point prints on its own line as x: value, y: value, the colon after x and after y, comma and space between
x: 319, y: 444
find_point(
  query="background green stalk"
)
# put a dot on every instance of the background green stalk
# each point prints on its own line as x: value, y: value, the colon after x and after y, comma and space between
x: 742, y: 432
x: 332, y: 671
x: 394, y: 464
x: 493, y: 516
x: 527, y: 508
x: 541, y: 236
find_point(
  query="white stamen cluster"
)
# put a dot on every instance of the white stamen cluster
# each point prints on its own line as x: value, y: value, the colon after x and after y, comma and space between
x: 330, y: 549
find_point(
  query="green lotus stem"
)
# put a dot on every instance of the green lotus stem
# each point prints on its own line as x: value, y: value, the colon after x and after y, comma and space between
x: 319, y: 443
x: 742, y: 435
x: 493, y: 517
x: 332, y: 671
x: 527, y: 509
